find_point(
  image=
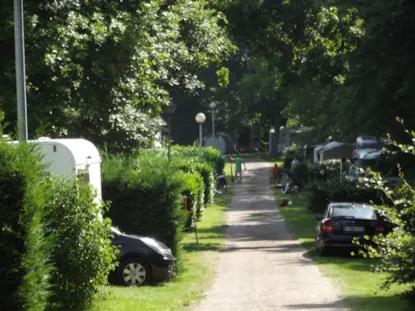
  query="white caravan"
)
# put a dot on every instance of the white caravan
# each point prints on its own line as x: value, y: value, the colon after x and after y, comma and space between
x: 67, y: 157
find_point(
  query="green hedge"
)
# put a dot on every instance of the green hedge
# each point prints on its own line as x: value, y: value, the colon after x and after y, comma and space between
x: 209, y: 154
x: 291, y: 152
x: 55, y: 252
x: 319, y: 194
x: 307, y: 172
x: 194, y: 165
x: 195, y: 198
x: 25, y: 250
x: 146, y: 195
x: 83, y: 255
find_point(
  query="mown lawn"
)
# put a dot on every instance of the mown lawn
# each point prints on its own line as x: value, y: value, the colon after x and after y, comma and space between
x: 359, y: 286
x: 199, y: 263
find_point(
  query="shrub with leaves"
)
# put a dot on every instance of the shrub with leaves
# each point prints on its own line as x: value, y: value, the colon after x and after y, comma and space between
x: 209, y: 154
x: 146, y: 195
x: 396, y: 250
x: 195, y: 195
x: 25, y: 249
x: 307, y: 172
x: 194, y: 165
x: 83, y: 255
x: 321, y: 193
x: 291, y: 152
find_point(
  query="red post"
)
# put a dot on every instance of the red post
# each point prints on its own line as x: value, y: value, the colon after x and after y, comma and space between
x: 185, y: 202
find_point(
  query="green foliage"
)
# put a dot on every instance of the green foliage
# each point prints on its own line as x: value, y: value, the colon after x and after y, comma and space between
x: 291, y: 152
x: 195, y: 198
x: 25, y: 265
x: 307, y: 172
x: 321, y: 193
x: 194, y: 165
x: 346, y: 93
x: 146, y: 195
x: 209, y: 154
x: 213, y: 156
x: 223, y: 76
x: 397, y: 250
x: 112, y: 65
x: 83, y: 255
x: 209, y: 166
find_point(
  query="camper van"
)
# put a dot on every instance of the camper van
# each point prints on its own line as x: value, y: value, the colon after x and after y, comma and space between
x: 67, y: 157
x: 367, y: 150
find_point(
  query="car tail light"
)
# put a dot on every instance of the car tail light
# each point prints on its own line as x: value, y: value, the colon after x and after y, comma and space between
x: 327, y: 227
x: 379, y: 229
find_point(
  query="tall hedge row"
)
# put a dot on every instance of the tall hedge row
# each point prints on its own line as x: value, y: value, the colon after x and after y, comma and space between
x: 55, y: 250
x: 209, y: 154
x: 194, y: 191
x: 25, y: 265
x: 147, y: 191
x: 194, y: 165
x: 320, y: 194
x: 146, y: 196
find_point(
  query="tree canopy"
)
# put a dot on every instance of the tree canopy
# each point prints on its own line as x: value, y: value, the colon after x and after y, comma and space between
x: 102, y: 69
x: 343, y: 68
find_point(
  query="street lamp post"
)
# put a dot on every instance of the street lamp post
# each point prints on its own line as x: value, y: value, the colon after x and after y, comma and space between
x: 212, y: 107
x: 271, y: 131
x: 20, y: 70
x: 200, y: 118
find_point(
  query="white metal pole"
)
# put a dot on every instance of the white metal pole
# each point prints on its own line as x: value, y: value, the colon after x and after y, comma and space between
x: 213, y: 128
x: 20, y: 70
x: 200, y: 138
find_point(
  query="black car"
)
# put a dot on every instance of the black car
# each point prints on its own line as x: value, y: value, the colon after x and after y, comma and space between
x: 142, y: 260
x: 342, y: 222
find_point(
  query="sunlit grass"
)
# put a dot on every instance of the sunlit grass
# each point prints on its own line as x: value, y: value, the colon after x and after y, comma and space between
x: 360, y: 288
x: 200, y: 262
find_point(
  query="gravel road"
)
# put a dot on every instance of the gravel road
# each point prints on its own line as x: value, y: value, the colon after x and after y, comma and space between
x: 262, y: 267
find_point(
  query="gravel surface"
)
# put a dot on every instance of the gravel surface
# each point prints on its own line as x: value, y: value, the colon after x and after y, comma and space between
x: 262, y: 267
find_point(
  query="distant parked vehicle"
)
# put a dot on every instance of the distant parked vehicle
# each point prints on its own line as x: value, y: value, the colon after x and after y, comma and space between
x: 342, y: 222
x: 142, y: 260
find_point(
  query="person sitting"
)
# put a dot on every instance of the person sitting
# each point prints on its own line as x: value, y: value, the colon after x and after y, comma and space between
x: 276, y: 174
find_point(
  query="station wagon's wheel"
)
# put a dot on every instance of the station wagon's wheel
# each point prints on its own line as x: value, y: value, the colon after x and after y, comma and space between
x: 133, y: 272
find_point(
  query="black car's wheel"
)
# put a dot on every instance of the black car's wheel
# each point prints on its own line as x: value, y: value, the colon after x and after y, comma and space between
x: 134, y: 272
x: 321, y: 250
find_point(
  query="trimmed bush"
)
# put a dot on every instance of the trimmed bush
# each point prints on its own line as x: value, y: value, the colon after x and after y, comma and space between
x: 319, y: 194
x: 214, y: 157
x: 24, y: 249
x: 84, y: 255
x: 306, y: 172
x: 195, y: 198
x: 209, y: 154
x: 193, y: 165
x: 146, y: 195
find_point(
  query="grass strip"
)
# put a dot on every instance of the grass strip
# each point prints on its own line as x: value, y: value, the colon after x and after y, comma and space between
x: 359, y: 286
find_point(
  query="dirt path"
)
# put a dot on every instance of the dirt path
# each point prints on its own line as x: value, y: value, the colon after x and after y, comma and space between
x: 262, y: 268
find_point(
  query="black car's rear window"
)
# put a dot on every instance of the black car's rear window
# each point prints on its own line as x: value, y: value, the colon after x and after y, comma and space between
x: 355, y: 211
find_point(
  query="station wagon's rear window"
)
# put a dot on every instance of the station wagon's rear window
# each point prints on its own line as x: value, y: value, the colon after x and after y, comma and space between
x: 355, y: 211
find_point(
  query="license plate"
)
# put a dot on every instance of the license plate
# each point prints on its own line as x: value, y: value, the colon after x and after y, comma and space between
x: 354, y: 229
